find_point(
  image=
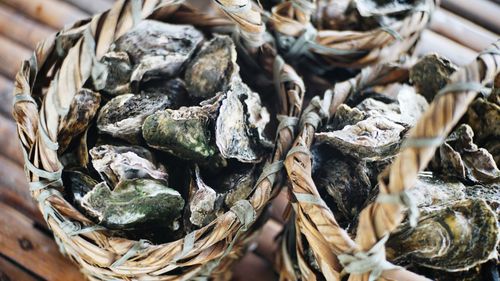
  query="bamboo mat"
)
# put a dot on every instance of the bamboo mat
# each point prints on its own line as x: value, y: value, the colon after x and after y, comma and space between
x: 459, y: 30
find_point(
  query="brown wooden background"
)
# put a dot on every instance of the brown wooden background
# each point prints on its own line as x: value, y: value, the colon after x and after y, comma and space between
x: 459, y: 30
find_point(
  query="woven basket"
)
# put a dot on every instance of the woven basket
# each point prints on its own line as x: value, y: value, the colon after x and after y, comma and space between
x: 347, y: 48
x: 46, y: 85
x: 313, y: 228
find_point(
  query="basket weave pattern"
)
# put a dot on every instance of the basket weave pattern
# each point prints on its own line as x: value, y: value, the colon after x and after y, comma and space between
x: 44, y: 89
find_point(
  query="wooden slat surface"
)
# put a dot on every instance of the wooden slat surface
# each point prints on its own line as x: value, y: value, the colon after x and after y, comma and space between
x: 459, y: 32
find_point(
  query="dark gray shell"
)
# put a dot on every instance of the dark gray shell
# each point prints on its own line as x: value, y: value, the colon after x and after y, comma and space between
x: 119, y: 71
x: 157, y: 49
x: 82, y: 110
x: 453, y: 237
x: 459, y: 156
x: 77, y: 185
x: 430, y: 74
x: 210, y: 71
x: 202, y: 201
x: 122, y: 116
x: 134, y: 203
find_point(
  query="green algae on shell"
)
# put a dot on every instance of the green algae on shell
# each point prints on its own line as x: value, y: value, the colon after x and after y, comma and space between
x: 134, y: 203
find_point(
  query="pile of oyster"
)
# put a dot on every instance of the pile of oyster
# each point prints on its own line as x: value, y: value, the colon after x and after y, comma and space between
x: 458, y: 196
x: 172, y: 140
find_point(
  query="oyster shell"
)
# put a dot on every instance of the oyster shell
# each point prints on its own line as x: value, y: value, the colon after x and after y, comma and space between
x: 238, y: 186
x: 116, y: 164
x: 345, y: 115
x: 240, y: 124
x: 430, y: 190
x: 345, y: 180
x: 157, y: 49
x: 82, y: 110
x: 460, y: 157
x: 202, y: 201
x: 375, y: 138
x: 134, y: 203
x: 452, y: 237
x: 175, y: 89
x: 210, y: 71
x: 430, y: 74
x: 122, y: 116
x: 184, y: 133
x: 77, y: 185
x: 119, y: 72
x: 483, y: 115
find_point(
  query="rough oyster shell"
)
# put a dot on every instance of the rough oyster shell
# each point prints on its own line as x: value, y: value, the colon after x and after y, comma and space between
x: 134, y: 203
x: 82, y: 110
x: 452, y: 237
x: 210, y: 71
x: 119, y: 71
x: 115, y: 164
x: 122, y: 116
x: 157, y: 49
x: 460, y: 157
x: 184, y: 133
x: 430, y: 74
x: 375, y: 138
x: 240, y: 124
x: 175, y: 89
x: 77, y: 185
x: 202, y: 201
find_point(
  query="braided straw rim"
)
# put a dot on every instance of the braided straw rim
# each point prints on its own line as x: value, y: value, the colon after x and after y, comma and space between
x: 354, y: 49
x: 44, y: 89
x: 313, y: 221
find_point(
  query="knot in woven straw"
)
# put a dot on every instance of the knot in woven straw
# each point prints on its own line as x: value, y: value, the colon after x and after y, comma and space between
x: 245, y: 213
x: 404, y: 199
x: 314, y: 113
x: 287, y: 122
x: 372, y: 261
x: 138, y: 247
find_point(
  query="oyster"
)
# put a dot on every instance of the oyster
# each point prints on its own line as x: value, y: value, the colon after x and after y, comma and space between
x: 345, y: 115
x: 184, y: 133
x: 202, y: 201
x: 345, y: 180
x: 460, y: 157
x: 77, y: 185
x: 157, y: 49
x: 453, y: 237
x: 375, y: 138
x: 483, y: 115
x: 122, y: 116
x: 119, y: 71
x: 175, y: 89
x: 82, y: 110
x: 430, y: 74
x: 430, y: 190
x: 238, y: 185
x: 134, y: 203
x: 116, y: 164
x: 210, y: 71
x: 241, y: 123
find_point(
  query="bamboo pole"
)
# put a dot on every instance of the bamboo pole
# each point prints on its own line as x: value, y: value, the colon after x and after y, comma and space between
x: 6, y: 88
x: 93, y: 6
x: 51, y: 12
x: 482, y: 12
x: 461, y: 30
x: 11, y: 56
x: 9, y: 144
x: 21, y: 29
x: 431, y: 42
